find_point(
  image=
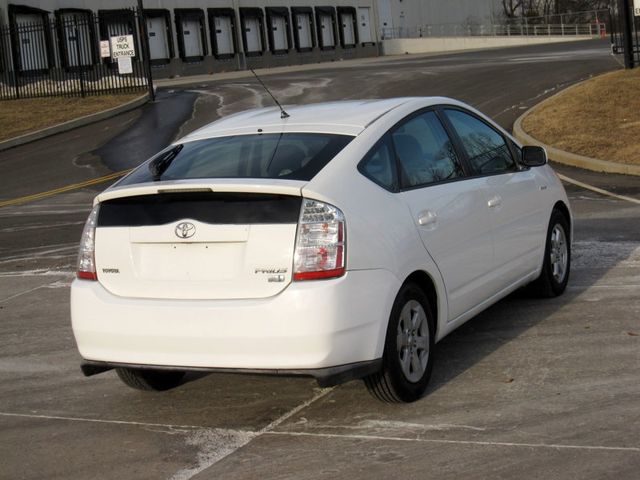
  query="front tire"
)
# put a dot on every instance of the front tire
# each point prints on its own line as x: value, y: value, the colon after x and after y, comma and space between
x: 408, y: 353
x: 556, y: 264
x: 149, y: 380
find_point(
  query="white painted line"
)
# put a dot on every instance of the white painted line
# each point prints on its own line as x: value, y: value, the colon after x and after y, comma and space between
x: 598, y: 190
x: 21, y: 293
x: 211, y: 451
x: 456, y: 442
x: 629, y: 286
x: 44, y: 247
x: 40, y: 226
x: 213, y: 444
x: 41, y: 253
x: 97, y: 420
x: 38, y: 273
x: 405, y: 426
x: 323, y: 392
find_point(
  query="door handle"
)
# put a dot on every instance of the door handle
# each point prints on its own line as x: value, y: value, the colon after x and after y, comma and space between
x: 495, y: 201
x: 427, y: 218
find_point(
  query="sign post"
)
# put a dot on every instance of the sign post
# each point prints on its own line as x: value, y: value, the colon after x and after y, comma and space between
x: 146, y: 55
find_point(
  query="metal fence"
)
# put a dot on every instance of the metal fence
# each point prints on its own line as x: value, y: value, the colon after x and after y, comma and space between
x: 565, y: 18
x: 61, y: 55
x: 456, y: 30
x: 625, y: 33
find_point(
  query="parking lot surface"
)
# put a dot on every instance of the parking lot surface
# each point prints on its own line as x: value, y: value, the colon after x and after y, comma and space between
x: 529, y: 389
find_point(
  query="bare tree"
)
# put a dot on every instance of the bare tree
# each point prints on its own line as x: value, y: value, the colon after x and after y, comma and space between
x: 510, y: 8
x: 513, y: 9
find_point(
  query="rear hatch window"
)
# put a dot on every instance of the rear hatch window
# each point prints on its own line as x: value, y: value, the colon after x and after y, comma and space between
x: 287, y: 156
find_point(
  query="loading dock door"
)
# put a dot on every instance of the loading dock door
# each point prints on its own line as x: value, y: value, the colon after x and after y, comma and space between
x: 224, y: 35
x: 279, y: 31
x: 326, y: 29
x: 386, y: 20
x: 303, y: 20
x: 158, y: 41
x: 348, y: 35
x: 252, y: 33
x: 77, y: 39
x: 31, y: 41
x: 364, y: 25
x: 192, y: 38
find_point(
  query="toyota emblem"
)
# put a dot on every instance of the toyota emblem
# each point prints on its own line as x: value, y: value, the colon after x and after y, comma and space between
x: 185, y: 230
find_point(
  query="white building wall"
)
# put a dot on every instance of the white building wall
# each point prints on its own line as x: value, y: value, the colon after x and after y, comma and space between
x: 410, y: 14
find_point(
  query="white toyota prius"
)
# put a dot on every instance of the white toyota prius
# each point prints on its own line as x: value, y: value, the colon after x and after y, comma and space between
x: 339, y: 240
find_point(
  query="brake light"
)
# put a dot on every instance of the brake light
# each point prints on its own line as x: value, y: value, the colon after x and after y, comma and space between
x: 86, y: 255
x: 320, y: 243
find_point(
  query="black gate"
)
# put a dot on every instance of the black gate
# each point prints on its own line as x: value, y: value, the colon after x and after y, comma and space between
x: 625, y: 32
x: 72, y: 53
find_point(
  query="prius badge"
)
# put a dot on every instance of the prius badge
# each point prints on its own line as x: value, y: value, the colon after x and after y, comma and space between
x: 185, y: 230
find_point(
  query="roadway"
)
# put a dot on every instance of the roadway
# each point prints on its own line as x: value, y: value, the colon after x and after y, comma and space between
x: 530, y: 388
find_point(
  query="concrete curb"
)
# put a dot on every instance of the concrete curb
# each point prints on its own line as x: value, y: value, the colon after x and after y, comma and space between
x: 71, y: 124
x: 568, y: 158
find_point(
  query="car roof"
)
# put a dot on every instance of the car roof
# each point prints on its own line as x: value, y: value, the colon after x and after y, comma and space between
x: 343, y: 117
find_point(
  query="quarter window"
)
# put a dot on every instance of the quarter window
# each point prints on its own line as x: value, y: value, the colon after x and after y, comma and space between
x: 380, y: 166
x: 425, y: 152
x: 486, y: 149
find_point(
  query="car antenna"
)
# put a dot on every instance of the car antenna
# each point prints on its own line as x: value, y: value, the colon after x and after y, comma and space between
x: 283, y: 114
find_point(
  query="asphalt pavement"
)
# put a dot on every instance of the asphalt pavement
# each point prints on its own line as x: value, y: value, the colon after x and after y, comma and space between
x: 530, y: 388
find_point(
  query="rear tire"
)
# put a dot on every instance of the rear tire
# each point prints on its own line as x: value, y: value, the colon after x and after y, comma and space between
x: 408, y: 352
x: 149, y: 380
x: 556, y: 264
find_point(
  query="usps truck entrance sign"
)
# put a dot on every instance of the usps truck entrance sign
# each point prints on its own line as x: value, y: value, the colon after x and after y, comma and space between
x: 123, y: 46
x: 122, y: 49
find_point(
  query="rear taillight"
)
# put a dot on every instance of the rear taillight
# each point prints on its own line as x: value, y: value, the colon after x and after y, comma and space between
x: 320, y: 243
x: 86, y: 255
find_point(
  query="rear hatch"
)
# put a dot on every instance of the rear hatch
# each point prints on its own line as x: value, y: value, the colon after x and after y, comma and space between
x: 197, y: 244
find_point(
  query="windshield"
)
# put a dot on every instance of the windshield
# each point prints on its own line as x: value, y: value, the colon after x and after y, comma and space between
x: 291, y: 156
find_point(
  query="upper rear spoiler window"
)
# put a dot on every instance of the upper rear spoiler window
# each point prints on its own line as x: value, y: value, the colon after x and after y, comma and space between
x: 214, y: 208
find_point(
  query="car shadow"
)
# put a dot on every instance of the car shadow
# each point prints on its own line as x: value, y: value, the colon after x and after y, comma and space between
x: 518, y: 313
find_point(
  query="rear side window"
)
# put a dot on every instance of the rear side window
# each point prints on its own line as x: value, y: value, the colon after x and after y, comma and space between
x: 379, y: 165
x: 486, y: 149
x: 425, y: 152
x: 292, y: 156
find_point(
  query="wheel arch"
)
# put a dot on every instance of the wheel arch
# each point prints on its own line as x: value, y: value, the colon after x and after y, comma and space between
x: 564, y: 209
x: 427, y: 284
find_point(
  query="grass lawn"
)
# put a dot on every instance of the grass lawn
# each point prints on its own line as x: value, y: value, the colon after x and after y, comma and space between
x: 18, y: 117
x: 599, y: 118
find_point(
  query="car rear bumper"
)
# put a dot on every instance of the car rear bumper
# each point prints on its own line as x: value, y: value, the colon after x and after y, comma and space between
x: 326, y: 377
x: 309, y: 326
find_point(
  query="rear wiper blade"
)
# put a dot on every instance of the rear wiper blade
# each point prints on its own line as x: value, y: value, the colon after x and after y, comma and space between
x: 159, y: 165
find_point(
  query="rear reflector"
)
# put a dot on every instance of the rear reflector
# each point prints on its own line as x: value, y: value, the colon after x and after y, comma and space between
x: 320, y: 243
x: 87, y: 275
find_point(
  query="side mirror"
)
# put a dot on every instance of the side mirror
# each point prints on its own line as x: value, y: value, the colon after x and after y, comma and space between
x: 534, y: 156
